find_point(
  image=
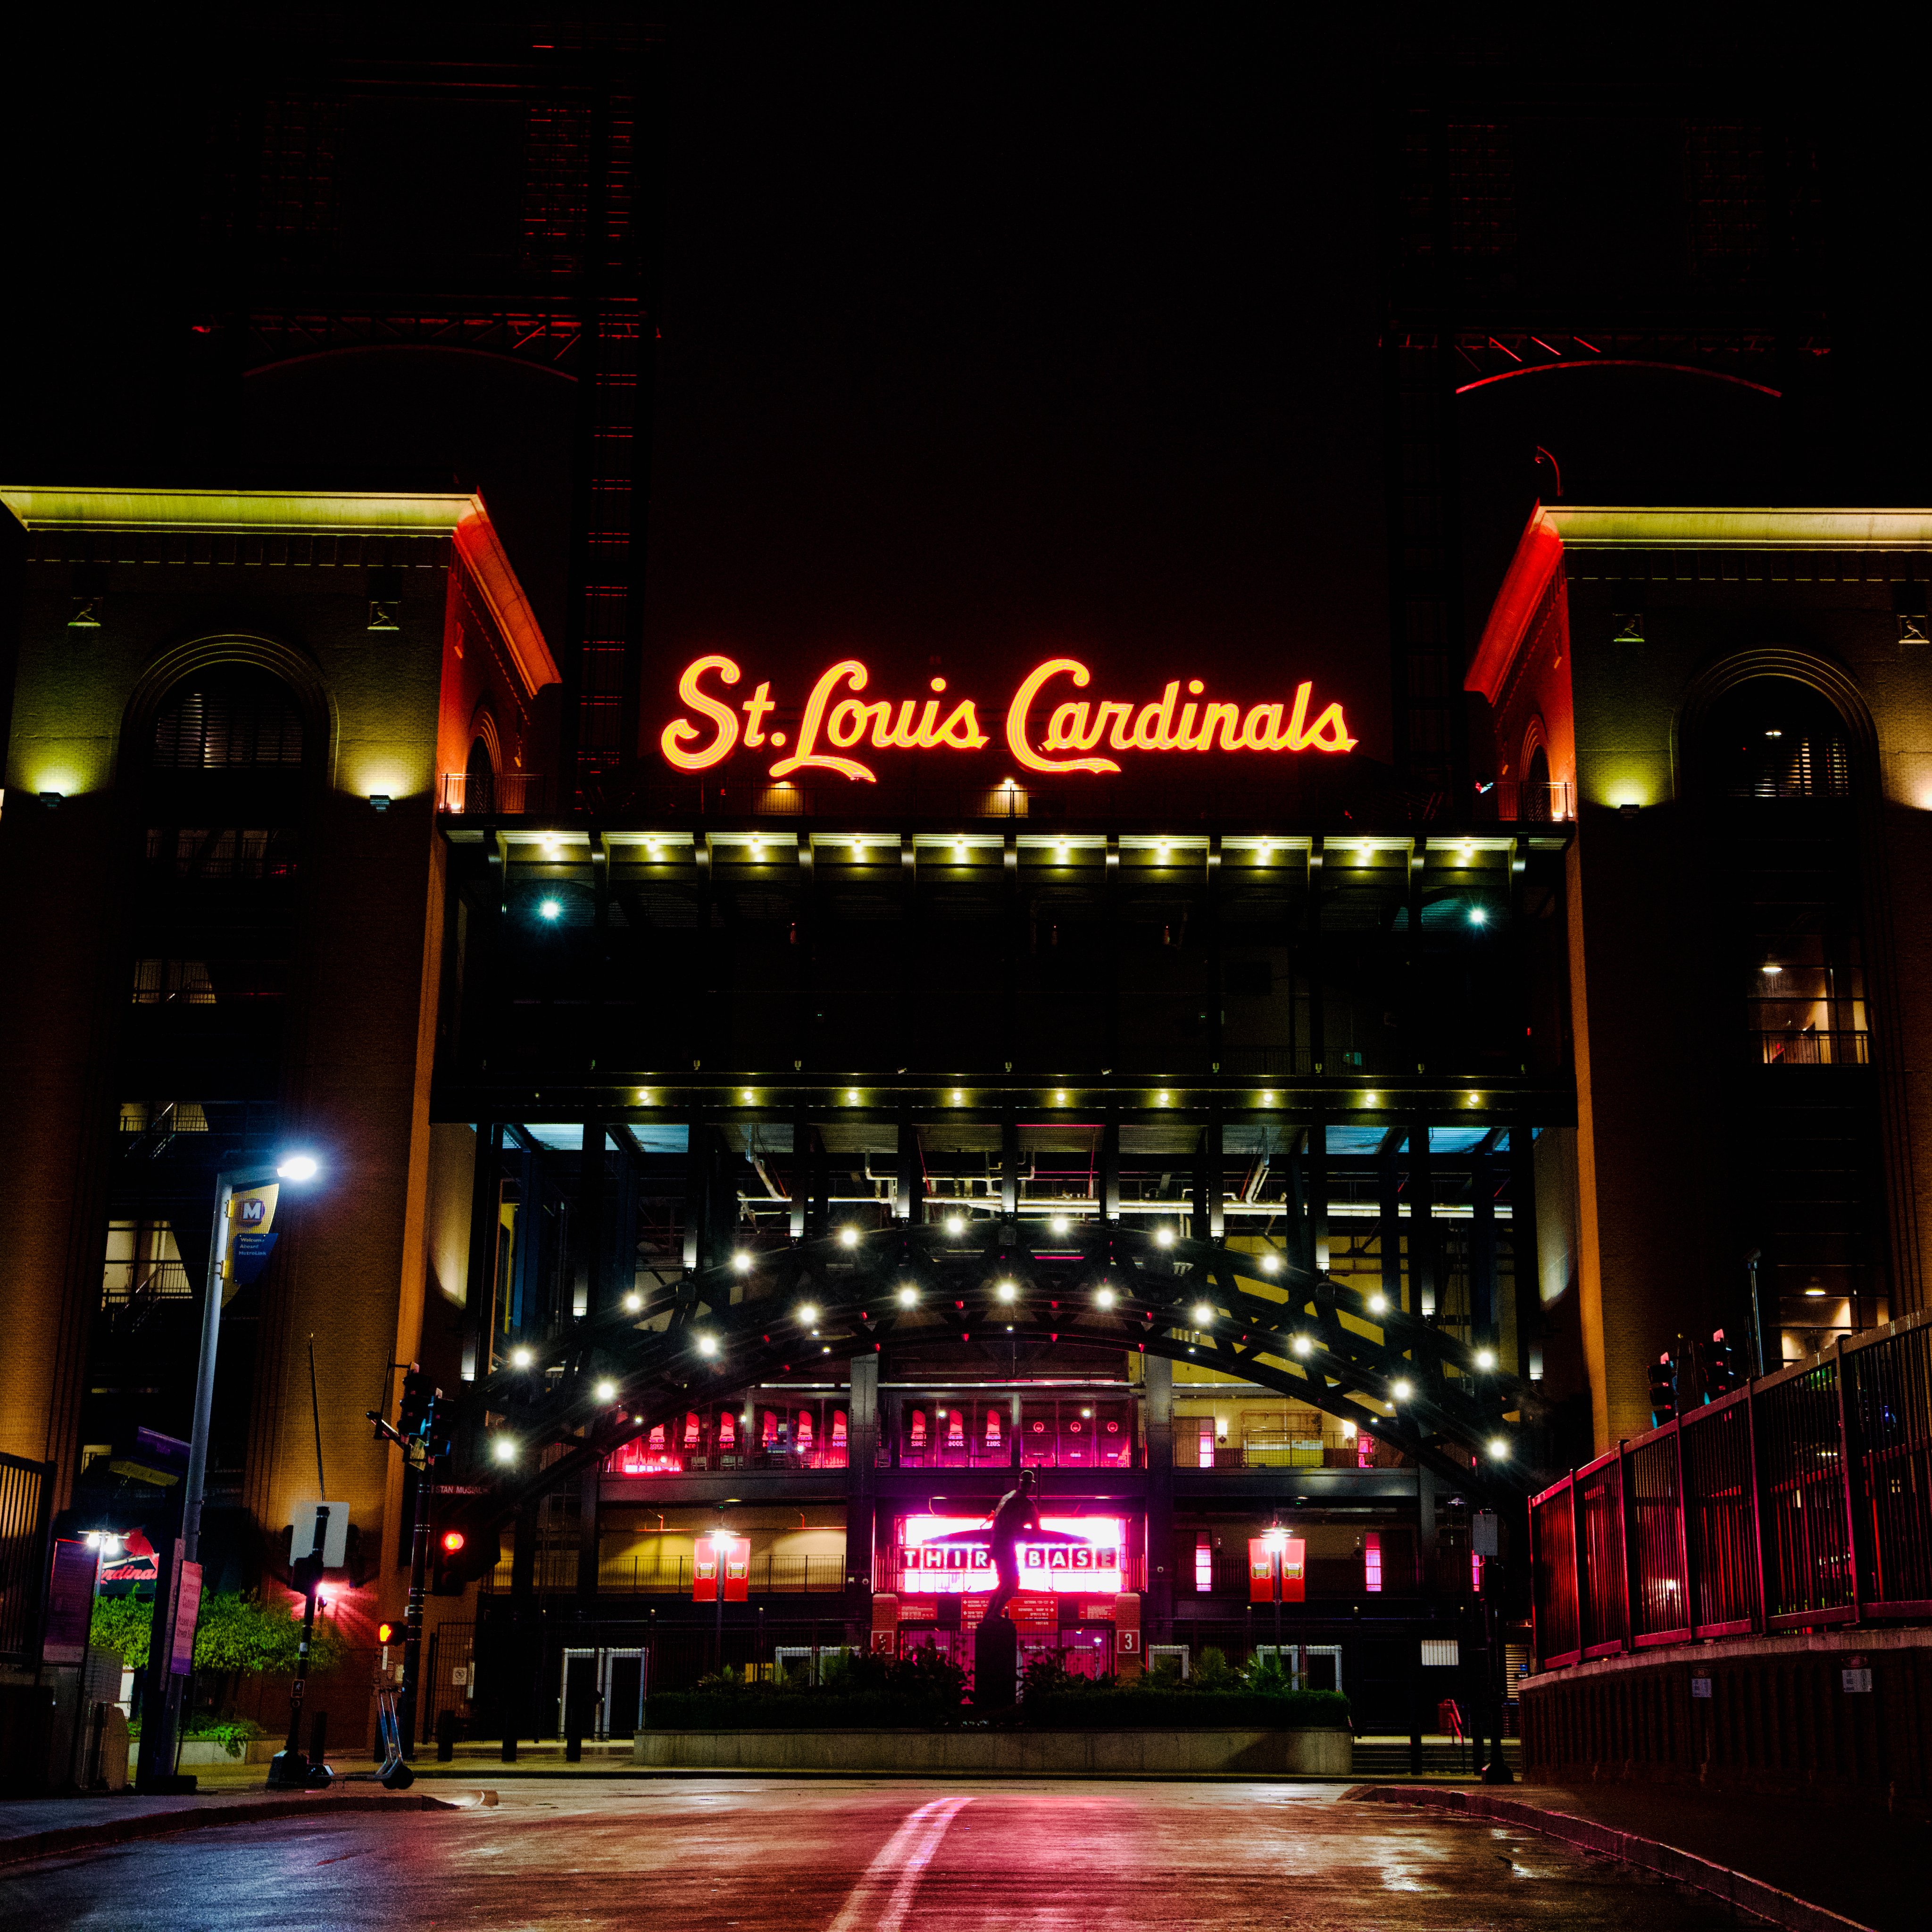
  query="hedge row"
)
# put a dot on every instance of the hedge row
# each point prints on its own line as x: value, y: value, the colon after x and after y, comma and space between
x: 1157, y: 1710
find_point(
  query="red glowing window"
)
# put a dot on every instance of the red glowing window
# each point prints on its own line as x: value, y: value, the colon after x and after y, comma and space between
x: 804, y: 1433
x: 768, y: 1432
x: 1204, y: 1549
x: 691, y: 1426
x: 1372, y: 1559
x: 727, y: 1432
x: 919, y: 1431
x: 955, y: 1431
x: 838, y: 1431
x: 1207, y: 1445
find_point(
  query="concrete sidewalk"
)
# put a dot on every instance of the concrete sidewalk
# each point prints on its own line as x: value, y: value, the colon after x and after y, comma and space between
x: 1862, y: 1864
x: 39, y: 1827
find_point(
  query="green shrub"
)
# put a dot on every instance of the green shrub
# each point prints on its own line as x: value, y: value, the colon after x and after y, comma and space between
x: 234, y: 1632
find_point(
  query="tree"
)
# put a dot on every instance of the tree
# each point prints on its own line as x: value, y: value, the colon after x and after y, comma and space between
x: 234, y: 1633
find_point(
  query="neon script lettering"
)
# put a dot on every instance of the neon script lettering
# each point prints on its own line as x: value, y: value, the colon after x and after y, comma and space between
x: 836, y: 721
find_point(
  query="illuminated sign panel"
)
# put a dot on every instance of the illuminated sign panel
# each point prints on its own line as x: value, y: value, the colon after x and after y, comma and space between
x: 1045, y: 724
x: 953, y: 1556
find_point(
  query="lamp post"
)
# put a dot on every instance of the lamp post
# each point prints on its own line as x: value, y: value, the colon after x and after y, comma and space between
x: 160, y: 1702
x: 1275, y: 1537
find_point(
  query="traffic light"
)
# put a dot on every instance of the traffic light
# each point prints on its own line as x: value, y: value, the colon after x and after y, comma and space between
x: 460, y: 1558
x: 1663, y: 1390
x: 436, y: 1427
x: 1723, y: 1371
x: 419, y: 1397
x: 385, y: 1633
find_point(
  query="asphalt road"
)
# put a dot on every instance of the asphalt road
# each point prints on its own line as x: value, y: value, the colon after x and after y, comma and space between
x: 697, y: 1854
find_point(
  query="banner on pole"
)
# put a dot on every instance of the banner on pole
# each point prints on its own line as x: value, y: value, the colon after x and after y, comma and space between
x: 251, y: 1239
x: 187, y: 1614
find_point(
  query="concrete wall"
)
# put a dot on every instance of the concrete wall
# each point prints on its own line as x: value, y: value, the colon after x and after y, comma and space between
x: 1778, y: 1717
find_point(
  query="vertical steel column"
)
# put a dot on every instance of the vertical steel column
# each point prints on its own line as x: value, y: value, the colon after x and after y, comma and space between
x: 1483, y: 1323
x: 1422, y: 1272
x: 1201, y: 1222
x: 862, y: 1436
x: 1010, y: 1165
x: 1390, y: 1219
x: 1317, y: 1010
x: 1317, y: 1191
x: 1685, y: 1545
x: 1157, y: 1388
x: 1110, y: 1166
x: 1111, y: 926
x: 801, y: 1184
x: 588, y: 1232
x: 1525, y: 1271
x: 1213, y: 1166
x: 588, y: 1499
x: 909, y: 1208
x: 481, y: 1319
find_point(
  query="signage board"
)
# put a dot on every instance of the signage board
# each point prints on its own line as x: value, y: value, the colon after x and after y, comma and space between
x: 187, y: 1614
x: 335, y: 1534
x: 737, y: 1567
x: 251, y: 1237
x: 70, y: 1602
x: 1262, y: 1567
x: 131, y: 1569
x: 1059, y: 716
x: 953, y: 1556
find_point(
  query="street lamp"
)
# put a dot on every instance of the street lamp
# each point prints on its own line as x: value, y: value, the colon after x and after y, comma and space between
x: 229, y: 1259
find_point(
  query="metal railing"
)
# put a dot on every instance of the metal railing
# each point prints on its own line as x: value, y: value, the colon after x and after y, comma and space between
x: 769, y: 1576
x: 25, y: 1487
x: 1801, y: 1501
x: 507, y: 795
x: 1813, y: 1048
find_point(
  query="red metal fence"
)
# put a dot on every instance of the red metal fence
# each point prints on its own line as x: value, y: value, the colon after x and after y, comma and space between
x: 1803, y: 1500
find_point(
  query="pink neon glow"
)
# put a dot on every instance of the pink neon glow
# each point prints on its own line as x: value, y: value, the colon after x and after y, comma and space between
x: 1204, y: 1561
x: 1372, y: 1560
x: 1615, y: 362
x: 952, y: 1555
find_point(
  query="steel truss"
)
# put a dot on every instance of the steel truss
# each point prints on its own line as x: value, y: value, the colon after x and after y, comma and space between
x: 719, y: 1331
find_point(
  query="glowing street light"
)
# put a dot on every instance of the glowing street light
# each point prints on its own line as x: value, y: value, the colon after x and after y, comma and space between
x: 1499, y: 1448
x: 1163, y: 1237
x: 504, y: 1449
x: 1486, y: 1358
x: 633, y: 1302
x: 550, y: 908
x: 1402, y: 1389
x: 742, y: 1262
x: 908, y: 1294
x: 808, y: 1314
x: 1007, y: 1291
x: 522, y: 1358
x: 606, y: 1390
x: 955, y: 1224
x: 1379, y: 1303
x: 1203, y: 1315
x: 299, y: 1167
x: 848, y: 1237
x: 1270, y: 1263
x: 707, y: 1346
x: 1104, y: 1296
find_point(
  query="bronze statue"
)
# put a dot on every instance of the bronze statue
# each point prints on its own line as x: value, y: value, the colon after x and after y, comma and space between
x: 1015, y: 1513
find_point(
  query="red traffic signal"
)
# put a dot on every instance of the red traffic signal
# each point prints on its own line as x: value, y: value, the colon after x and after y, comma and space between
x: 453, y: 1540
x: 385, y: 1633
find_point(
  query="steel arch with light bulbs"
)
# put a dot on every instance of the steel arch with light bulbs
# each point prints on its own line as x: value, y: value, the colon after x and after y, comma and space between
x: 716, y: 1332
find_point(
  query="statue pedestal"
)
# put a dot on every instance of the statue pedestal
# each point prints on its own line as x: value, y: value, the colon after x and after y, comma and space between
x: 996, y: 1664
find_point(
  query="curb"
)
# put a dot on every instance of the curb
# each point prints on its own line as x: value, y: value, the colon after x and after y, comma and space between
x: 30, y: 1845
x: 1744, y: 1894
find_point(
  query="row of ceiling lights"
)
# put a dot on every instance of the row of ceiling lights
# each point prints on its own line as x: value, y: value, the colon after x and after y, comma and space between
x: 1006, y: 1293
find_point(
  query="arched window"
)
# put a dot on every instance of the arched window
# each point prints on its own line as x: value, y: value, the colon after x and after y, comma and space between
x: 479, y: 783
x: 1771, y: 769
x: 230, y: 717
x: 1775, y: 738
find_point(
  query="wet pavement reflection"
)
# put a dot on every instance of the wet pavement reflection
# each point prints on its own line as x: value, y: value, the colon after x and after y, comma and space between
x: 696, y: 1854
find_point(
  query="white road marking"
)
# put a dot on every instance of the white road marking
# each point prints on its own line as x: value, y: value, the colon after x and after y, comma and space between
x: 881, y: 1899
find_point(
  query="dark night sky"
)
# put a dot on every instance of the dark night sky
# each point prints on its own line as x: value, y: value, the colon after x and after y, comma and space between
x: 978, y: 337
x: 979, y: 343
